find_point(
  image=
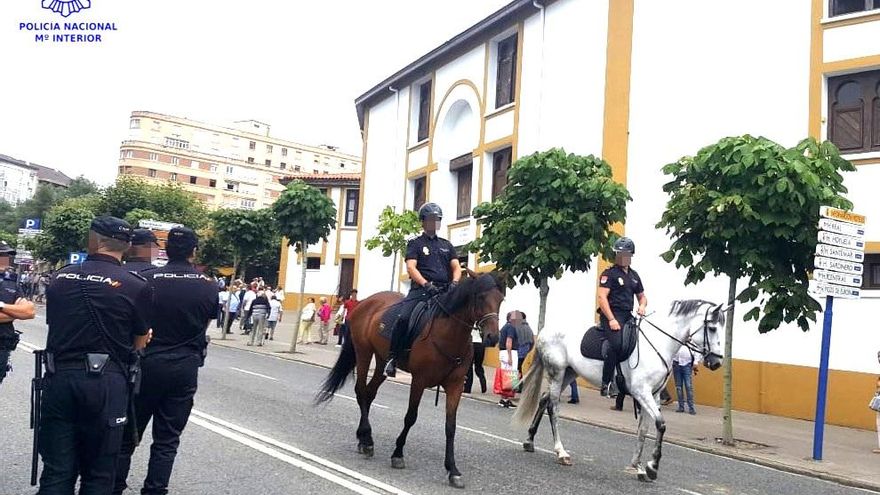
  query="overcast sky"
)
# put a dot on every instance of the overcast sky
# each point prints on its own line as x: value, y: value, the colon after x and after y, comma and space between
x: 296, y: 65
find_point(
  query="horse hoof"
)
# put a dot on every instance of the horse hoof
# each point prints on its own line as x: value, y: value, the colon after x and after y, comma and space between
x: 643, y: 478
x: 528, y: 446
x: 366, y: 450
x: 455, y: 481
x: 564, y: 460
x: 651, y: 469
x: 398, y: 463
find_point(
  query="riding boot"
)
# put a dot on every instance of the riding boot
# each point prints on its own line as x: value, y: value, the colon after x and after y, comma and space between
x: 390, y: 366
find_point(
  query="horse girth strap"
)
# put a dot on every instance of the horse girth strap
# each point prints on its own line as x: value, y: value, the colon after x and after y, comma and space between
x: 456, y: 361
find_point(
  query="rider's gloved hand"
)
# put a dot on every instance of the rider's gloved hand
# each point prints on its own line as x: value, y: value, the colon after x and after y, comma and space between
x: 431, y: 289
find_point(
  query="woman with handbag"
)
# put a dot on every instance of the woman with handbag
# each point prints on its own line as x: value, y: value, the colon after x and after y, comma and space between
x: 307, y: 317
x: 507, y: 374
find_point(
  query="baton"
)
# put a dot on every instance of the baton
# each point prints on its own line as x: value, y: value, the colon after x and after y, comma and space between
x: 36, y: 404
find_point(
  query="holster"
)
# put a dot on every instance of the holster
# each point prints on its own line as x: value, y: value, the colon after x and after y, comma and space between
x: 9, y: 342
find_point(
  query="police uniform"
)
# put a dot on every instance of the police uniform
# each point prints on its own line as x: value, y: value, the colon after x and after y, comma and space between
x: 9, y: 293
x: 623, y: 286
x: 93, y: 311
x: 184, y: 301
x: 141, y: 237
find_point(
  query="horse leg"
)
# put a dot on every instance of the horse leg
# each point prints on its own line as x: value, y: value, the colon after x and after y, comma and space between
x: 555, y: 391
x: 652, y: 410
x: 365, y: 394
x: 636, y: 463
x: 453, y: 397
x: 416, y: 390
x: 529, y: 444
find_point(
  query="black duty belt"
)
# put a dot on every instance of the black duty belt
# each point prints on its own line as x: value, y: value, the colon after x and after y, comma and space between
x: 80, y: 364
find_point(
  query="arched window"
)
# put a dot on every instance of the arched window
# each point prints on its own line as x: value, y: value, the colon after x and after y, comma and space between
x: 854, y: 112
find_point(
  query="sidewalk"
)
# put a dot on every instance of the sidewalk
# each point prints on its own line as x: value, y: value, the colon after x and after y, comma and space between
x: 771, y: 441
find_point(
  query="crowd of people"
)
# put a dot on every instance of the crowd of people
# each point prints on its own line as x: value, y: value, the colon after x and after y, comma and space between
x: 257, y: 307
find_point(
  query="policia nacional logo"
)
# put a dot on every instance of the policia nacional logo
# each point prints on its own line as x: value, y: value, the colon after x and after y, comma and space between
x: 66, y: 7
x: 91, y: 278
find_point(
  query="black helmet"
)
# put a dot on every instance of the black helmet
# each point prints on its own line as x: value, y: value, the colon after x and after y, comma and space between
x: 624, y: 245
x: 430, y: 209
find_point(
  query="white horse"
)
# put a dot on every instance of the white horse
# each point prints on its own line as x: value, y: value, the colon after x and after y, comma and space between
x: 695, y: 323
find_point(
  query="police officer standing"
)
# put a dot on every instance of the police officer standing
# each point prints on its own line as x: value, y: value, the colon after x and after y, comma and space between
x: 432, y: 266
x: 95, y: 318
x: 144, y: 249
x: 617, y: 286
x: 184, y: 301
x: 12, y: 307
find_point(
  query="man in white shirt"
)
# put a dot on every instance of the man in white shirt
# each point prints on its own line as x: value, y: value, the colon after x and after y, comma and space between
x: 249, y: 297
x: 683, y: 369
x: 275, y: 311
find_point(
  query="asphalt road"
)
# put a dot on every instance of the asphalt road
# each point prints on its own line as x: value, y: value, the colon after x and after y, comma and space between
x: 254, y: 431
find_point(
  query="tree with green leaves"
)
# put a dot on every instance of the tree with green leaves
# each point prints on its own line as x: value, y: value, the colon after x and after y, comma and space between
x: 246, y: 233
x: 65, y: 228
x: 80, y: 186
x: 304, y: 216
x: 555, y: 215
x: 126, y: 194
x: 394, y: 228
x: 748, y: 207
x: 173, y: 203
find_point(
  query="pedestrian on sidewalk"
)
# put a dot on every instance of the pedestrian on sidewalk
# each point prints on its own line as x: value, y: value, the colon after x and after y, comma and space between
x: 245, y: 325
x: 477, y: 365
x: 259, y: 313
x: 507, y: 356
x: 222, y: 297
x: 306, y: 319
x: 877, y: 450
x: 324, y: 328
x: 275, y: 311
x: 346, y: 309
x: 234, y: 303
x: 575, y: 396
x: 525, y: 338
x: 683, y: 369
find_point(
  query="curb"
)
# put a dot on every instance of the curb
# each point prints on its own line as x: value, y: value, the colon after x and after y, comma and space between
x: 719, y: 451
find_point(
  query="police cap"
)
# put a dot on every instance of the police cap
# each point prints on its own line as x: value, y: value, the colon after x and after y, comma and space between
x: 143, y: 237
x: 112, y: 227
x: 6, y: 249
x: 182, y: 238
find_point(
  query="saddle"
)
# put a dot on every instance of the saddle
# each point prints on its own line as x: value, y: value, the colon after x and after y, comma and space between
x: 592, y: 342
x: 413, y: 319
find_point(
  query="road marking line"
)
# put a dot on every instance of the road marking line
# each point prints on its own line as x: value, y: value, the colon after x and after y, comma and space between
x: 689, y: 492
x: 496, y: 437
x: 380, y: 406
x: 283, y: 457
x: 318, y: 460
x: 255, y: 374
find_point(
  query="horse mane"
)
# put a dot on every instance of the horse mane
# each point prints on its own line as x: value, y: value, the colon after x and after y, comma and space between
x: 687, y: 307
x: 469, y: 288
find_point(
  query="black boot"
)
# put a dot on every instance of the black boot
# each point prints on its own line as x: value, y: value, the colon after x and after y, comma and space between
x: 391, y: 366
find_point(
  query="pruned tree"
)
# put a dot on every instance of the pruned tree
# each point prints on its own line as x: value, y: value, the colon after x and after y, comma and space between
x: 555, y: 215
x: 394, y: 228
x: 304, y: 216
x: 748, y: 207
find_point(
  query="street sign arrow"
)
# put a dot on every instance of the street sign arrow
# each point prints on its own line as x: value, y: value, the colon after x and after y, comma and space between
x: 841, y: 240
x: 840, y: 253
x: 837, y: 278
x: 838, y: 265
x: 824, y: 289
x: 842, y: 215
x: 839, y: 227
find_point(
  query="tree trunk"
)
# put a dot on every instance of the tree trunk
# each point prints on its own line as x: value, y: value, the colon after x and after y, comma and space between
x: 542, y: 311
x: 228, y: 299
x: 727, y: 434
x: 393, y: 271
x: 302, y: 295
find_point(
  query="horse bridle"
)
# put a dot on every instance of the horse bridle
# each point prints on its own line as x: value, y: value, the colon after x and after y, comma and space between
x: 706, y: 351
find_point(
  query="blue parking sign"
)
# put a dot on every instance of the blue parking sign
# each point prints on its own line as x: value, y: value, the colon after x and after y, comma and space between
x: 32, y: 223
x: 76, y: 258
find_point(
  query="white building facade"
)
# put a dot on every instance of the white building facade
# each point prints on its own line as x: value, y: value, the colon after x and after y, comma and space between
x: 641, y: 84
x: 18, y: 180
x: 330, y: 265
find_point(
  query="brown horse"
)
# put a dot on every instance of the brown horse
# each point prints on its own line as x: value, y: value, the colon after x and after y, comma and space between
x: 439, y: 356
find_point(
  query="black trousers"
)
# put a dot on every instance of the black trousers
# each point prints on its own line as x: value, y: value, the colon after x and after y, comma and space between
x: 83, y: 418
x: 479, y: 355
x: 614, y: 340
x: 4, y: 363
x: 398, y: 335
x: 167, y: 388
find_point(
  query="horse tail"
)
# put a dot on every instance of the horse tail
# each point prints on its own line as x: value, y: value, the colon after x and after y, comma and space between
x: 531, y: 392
x: 339, y: 374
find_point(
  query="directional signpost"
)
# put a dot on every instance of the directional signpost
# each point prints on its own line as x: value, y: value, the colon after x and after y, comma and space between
x: 838, y: 273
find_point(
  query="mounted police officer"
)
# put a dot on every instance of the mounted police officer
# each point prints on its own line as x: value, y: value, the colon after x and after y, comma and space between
x: 184, y: 301
x: 12, y: 307
x: 144, y: 249
x: 617, y: 286
x: 96, y: 321
x: 432, y: 266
